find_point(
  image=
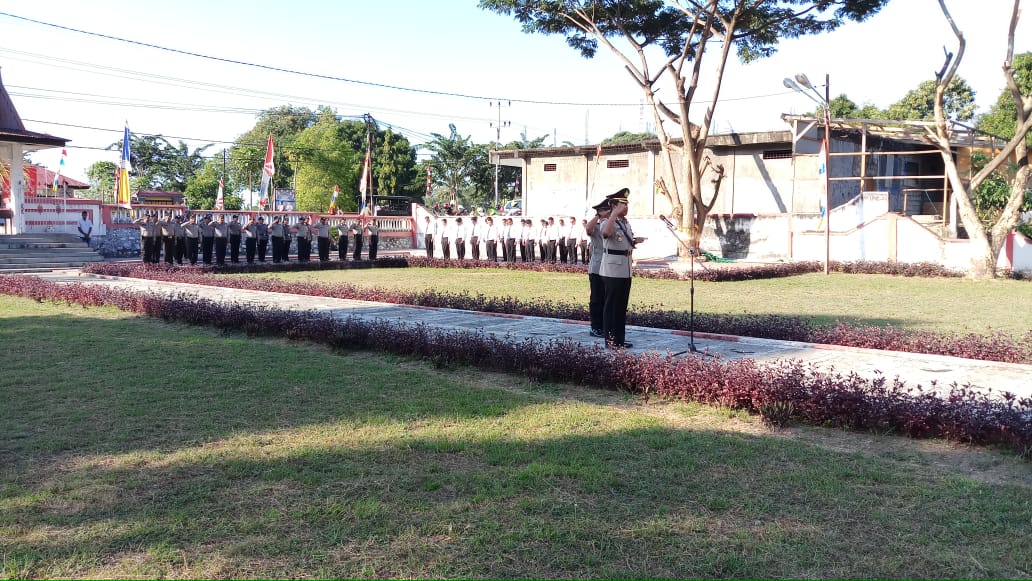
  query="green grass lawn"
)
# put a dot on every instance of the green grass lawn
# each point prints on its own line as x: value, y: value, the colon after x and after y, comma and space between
x: 937, y: 304
x: 130, y: 447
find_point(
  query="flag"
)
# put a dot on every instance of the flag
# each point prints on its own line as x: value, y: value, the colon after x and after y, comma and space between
x: 364, y: 182
x: 124, y: 168
x: 333, y: 200
x: 268, y: 170
x: 822, y: 170
x: 220, y: 200
x: 60, y: 166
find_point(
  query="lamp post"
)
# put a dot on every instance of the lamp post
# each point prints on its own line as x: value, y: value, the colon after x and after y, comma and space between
x: 800, y: 83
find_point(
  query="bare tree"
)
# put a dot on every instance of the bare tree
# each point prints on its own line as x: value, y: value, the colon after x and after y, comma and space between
x: 668, y: 40
x: 987, y: 243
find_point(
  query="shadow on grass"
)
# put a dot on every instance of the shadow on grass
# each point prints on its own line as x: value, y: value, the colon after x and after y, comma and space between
x: 491, y: 500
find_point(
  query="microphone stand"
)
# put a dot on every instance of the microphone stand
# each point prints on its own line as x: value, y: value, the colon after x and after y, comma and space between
x: 691, y: 285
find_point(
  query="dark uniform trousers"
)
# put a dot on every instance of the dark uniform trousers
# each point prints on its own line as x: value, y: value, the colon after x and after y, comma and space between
x: 460, y: 248
x: 562, y: 249
x: 191, y: 249
x: 374, y: 245
x: 250, y: 248
x: 510, y: 250
x: 596, y: 301
x: 304, y: 249
x: 474, y: 247
x: 277, y: 248
x: 571, y: 250
x: 220, y: 250
x: 285, y: 249
x: 445, y: 247
x: 342, y: 247
x: 358, y: 247
x: 324, y: 248
x: 180, y: 249
x: 492, y: 251
x: 207, y: 244
x: 234, y: 248
x: 169, y: 243
x: 614, y: 308
x: 550, y: 249
x: 263, y: 248
x: 429, y: 240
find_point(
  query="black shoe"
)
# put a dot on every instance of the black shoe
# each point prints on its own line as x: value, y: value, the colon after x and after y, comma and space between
x: 596, y: 333
x: 619, y: 345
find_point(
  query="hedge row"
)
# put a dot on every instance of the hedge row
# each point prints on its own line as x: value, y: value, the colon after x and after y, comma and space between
x: 990, y: 347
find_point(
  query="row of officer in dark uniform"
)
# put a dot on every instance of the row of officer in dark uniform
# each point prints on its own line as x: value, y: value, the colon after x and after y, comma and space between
x: 186, y: 238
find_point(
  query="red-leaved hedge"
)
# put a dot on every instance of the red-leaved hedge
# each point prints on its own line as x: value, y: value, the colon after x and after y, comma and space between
x: 990, y: 347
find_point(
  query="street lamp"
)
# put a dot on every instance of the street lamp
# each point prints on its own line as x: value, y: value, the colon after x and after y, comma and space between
x: 800, y: 83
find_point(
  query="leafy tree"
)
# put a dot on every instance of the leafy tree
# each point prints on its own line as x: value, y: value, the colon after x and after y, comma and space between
x: 987, y: 240
x: 524, y: 143
x: 621, y: 137
x: 159, y: 165
x: 669, y: 41
x: 394, y: 166
x: 325, y: 158
x: 999, y: 121
x: 842, y: 107
x: 101, y: 176
x: 203, y: 188
x: 247, y: 156
x: 461, y: 169
x: 919, y: 104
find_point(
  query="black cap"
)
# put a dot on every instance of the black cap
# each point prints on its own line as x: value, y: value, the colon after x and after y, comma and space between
x: 603, y: 205
x: 620, y: 197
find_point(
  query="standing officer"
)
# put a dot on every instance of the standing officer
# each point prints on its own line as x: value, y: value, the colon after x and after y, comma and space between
x: 615, y: 270
x: 221, y: 239
x: 276, y: 238
x: 143, y: 223
x: 250, y: 232
x: 474, y: 237
x: 322, y: 231
x: 180, y: 232
x: 262, y: 233
x: 597, y: 297
x: 428, y: 237
x: 342, y: 241
x: 374, y: 238
x: 491, y: 236
x: 207, y: 239
x: 193, y: 237
x: 235, y: 231
x: 445, y: 238
x: 167, y: 235
x: 460, y: 239
x: 304, y: 239
x: 356, y: 233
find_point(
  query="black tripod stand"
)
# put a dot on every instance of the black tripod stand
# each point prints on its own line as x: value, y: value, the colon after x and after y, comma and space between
x: 691, y: 286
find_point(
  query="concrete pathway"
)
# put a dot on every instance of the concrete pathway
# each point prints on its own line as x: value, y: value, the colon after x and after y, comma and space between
x: 912, y: 368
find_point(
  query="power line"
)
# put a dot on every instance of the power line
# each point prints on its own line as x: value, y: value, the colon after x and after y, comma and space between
x: 335, y: 78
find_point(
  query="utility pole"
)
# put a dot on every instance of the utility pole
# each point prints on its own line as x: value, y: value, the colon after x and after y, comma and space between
x: 498, y: 142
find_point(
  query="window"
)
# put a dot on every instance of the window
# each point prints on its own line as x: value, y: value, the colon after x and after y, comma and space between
x: 550, y: 167
x: 617, y: 163
x: 777, y: 154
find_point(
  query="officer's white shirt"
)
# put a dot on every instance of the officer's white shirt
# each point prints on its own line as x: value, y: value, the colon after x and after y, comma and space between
x: 460, y: 232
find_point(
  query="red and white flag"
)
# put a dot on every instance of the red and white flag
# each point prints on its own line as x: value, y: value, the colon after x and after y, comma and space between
x: 220, y: 200
x: 268, y: 170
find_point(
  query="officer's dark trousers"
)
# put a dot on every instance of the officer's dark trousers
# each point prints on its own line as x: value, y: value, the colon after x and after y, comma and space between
x: 614, y: 308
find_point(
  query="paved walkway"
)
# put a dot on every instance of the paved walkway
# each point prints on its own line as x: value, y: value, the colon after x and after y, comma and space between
x: 912, y: 368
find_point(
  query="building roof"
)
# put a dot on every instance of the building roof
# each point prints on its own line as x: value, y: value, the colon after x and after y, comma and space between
x: 12, y: 130
x: 70, y: 183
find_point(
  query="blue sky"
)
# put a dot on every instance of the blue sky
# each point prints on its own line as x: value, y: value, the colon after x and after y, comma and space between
x: 70, y: 79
